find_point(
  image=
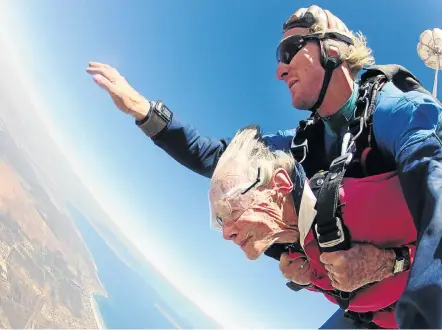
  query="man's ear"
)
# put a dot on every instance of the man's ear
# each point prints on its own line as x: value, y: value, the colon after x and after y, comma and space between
x: 282, y: 182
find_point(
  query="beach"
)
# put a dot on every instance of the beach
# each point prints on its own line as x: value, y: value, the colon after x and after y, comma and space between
x: 97, y: 315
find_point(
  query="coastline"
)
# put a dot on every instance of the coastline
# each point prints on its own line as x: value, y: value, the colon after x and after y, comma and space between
x: 94, y: 291
x: 96, y: 311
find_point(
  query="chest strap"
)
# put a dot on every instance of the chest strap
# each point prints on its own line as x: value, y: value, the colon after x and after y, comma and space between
x: 329, y: 226
x: 330, y: 230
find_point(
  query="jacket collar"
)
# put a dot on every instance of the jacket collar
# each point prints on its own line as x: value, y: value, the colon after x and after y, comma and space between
x: 304, y: 201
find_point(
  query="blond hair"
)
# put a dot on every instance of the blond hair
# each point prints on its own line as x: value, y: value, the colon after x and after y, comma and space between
x: 356, y: 56
x: 247, y: 152
x: 320, y: 21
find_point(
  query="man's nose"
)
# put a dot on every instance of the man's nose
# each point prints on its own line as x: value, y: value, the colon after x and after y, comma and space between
x: 229, y: 231
x: 281, y: 70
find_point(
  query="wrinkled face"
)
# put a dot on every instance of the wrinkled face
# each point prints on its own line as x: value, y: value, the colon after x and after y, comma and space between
x: 304, y: 74
x: 251, y: 219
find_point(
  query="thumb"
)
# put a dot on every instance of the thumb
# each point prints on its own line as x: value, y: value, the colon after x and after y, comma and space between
x: 327, y: 258
x: 284, y: 261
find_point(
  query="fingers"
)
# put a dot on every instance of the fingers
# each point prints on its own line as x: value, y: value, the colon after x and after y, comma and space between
x: 105, y: 70
x: 334, y: 273
x: 335, y: 284
x: 329, y: 268
x: 288, y: 258
x: 97, y: 70
x: 329, y: 258
x: 105, y: 84
x: 98, y: 64
x: 298, y: 272
x: 284, y: 261
x: 295, y: 268
x: 340, y: 284
x: 325, y: 258
x: 97, y: 67
x: 110, y: 73
x: 104, y: 75
x: 335, y: 280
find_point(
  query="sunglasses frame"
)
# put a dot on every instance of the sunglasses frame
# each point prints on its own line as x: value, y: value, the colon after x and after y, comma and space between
x: 302, y: 40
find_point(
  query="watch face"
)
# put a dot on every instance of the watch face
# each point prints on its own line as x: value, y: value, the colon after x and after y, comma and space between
x: 399, y: 266
x: 166, y: 112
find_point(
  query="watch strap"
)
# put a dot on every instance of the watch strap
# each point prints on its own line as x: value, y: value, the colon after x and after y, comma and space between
x: 158, y: 117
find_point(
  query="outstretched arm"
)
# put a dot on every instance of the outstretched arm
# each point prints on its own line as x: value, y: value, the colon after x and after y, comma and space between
x: 186, y: 145
x: 199, y: 153
x: 182, y: 142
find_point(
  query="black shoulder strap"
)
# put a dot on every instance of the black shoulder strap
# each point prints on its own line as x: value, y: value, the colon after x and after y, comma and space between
x: 309, y: 137
x: 400, y: 76
x: 331, y: 232
x: 329, y: 227
x: 309, y: 140
x: 404, y: 79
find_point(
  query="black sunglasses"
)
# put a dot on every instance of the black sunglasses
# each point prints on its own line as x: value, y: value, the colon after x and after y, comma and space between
x: 290, y: 46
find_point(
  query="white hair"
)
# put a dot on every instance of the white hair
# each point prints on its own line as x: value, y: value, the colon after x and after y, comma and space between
x: 247, y: 152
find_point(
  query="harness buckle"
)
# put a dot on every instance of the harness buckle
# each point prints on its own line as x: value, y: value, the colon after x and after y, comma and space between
x: 346, y: 158
x: 339, y: 233
x: 346, y: 143
x: 295, y: 148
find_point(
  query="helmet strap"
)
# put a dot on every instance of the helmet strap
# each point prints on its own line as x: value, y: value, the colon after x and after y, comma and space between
x: 330, y: 60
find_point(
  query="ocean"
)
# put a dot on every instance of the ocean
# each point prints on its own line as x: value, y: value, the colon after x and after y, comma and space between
x: 137, y: 298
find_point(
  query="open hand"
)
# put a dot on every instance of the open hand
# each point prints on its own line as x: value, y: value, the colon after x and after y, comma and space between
x: 127, y: 99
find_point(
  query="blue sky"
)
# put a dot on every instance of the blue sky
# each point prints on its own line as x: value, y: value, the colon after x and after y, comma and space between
x: 213, y: 63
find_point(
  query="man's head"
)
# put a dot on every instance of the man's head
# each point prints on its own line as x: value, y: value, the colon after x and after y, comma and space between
x: 301, y: 61
x: 250, y: 194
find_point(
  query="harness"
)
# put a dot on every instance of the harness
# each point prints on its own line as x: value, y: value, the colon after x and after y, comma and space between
x: 359, y: 157
x: 329, y: 227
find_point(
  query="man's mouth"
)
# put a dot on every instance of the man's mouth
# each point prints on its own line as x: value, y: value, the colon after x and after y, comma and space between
x: 292, y: 83
x: 244, y: 242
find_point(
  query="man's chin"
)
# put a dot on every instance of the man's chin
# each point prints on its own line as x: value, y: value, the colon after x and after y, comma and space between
x: 254, y: 249
x: 253, y: 252
x: 300, y: 104
x: 252, y: 255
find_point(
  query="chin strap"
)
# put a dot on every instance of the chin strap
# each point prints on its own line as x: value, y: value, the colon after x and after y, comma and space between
x: 330, y: 60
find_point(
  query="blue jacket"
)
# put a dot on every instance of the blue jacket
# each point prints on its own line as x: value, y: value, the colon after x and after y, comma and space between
x: 408, y: 131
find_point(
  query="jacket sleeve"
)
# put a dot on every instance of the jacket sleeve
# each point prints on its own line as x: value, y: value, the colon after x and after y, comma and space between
x: 412, y: 133
x: 187, y: 146
x: 199, y: 153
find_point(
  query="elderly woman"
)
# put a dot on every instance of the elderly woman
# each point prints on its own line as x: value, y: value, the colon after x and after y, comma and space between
x: 258, y: 198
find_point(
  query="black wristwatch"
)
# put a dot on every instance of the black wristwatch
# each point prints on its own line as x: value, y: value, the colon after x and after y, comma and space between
x: 402, y: 261
x: 158, y: 117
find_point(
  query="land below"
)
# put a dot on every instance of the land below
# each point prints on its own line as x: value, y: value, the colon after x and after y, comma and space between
x: 47, y: 274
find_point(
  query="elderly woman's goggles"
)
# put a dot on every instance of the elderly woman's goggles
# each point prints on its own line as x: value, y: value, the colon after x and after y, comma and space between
x: 290, y: 46
x: 230, y: 205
